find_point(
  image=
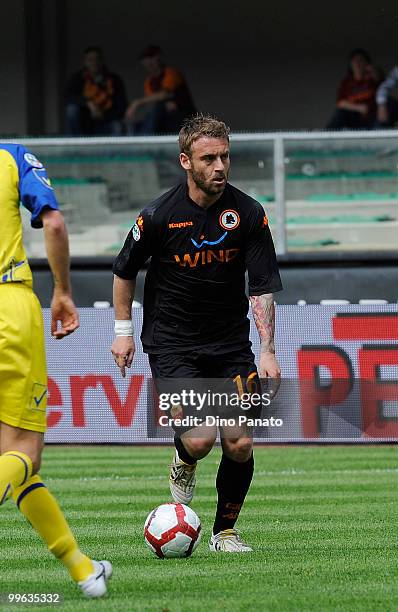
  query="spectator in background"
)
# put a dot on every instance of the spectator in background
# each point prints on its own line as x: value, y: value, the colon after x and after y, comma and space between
x: 167, y: 101
x: 387, y: 105
x: 356, y: 97
x: 95, y: 98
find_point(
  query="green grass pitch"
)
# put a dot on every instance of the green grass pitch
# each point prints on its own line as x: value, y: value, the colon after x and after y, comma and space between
x: 323, y: 522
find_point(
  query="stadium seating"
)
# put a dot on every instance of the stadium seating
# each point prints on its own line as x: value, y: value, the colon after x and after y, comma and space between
x: 339, y: 195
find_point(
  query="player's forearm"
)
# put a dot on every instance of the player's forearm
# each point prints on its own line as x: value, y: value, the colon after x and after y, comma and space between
x: 123, y: 296
x: 264, y: 316
x: 57, y: 249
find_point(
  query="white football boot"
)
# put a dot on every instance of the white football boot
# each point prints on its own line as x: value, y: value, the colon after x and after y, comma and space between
x: 228, y: 541
x: 95, y: 584
x: 182, y: 480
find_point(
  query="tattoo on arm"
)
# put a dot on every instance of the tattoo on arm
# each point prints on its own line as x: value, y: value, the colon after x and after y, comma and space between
x: 264, y: 316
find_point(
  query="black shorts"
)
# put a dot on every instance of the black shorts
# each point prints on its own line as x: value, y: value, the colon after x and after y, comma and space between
x: 213, y: 377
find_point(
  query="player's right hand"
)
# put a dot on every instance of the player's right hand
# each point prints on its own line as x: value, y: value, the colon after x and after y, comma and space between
x: 270, y: 370
x: 64, y: 313
x: 123, y: 349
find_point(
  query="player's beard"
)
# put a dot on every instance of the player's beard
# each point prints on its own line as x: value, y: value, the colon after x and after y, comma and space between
x: 207, y: 186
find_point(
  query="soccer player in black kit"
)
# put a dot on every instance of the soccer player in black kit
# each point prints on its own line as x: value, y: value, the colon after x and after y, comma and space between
x: 202, y: 236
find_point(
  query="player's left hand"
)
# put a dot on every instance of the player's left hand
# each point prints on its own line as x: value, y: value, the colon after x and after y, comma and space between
x: 63, y: 311
x: 269, y: 368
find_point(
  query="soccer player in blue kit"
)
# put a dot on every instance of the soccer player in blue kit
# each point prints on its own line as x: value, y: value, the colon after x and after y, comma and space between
x: 202, y: 237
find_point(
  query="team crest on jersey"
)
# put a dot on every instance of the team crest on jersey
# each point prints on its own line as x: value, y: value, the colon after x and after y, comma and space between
x: 32, y: 160
x: 229, y: 219
x: 136, y: 232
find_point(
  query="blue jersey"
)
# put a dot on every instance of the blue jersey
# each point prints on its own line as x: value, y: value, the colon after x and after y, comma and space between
x: 23, y: 179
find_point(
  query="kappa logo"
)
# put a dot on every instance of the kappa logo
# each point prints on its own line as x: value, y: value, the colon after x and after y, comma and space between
x: 180, y: 224
x: 229, y: 219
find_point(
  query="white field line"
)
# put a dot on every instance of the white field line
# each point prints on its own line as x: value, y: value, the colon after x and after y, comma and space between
x: 289, y: 472
x: 294, y: 472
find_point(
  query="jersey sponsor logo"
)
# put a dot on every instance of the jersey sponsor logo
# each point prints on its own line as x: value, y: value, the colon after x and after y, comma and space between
x: 265, y: 221
x: 9, y: 273
x: 206, y: 257
x: 208, y: 242
x: 229, y: 219
x: 180, y: 224
x: 136, y: 232
x: 32, y: 160
x: 42, y: 178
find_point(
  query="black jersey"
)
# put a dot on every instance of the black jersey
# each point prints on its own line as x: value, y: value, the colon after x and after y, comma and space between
x: 194, y: 295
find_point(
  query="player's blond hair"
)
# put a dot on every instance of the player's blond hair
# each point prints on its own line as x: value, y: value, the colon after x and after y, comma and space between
x: 198, y: 126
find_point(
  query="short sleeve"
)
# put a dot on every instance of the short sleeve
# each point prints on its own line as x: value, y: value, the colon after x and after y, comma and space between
x: 137, y: 248
x: 260, y: 255
x: 35, y: 190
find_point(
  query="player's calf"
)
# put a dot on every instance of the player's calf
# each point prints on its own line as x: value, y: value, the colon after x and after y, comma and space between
x: 15, y: 469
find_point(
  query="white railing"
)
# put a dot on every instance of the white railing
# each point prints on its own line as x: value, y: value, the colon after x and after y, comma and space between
x: 279, y: 140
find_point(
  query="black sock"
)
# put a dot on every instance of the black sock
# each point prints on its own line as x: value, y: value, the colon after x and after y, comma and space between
x: 233, y: 482
x: 182, y: 452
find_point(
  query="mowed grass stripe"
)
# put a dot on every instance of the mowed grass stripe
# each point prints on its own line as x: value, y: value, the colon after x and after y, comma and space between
x: 322, y: 520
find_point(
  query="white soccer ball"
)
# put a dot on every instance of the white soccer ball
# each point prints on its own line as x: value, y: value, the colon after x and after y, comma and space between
x: 172, y: 530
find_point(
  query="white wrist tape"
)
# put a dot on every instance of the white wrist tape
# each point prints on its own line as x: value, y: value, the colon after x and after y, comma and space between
x: 124, y: 327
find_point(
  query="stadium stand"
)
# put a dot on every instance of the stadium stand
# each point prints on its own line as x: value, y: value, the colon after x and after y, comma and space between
x: 339, y: 192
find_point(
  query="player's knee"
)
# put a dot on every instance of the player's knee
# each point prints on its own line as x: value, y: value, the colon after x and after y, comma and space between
x: 36, y: 463
x: 33, y: 456
x: 27, y: 443
x: 239, y: 450
x: 199, y: 447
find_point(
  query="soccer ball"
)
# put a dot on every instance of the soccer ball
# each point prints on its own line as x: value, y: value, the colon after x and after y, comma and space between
x: 172, y: 530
